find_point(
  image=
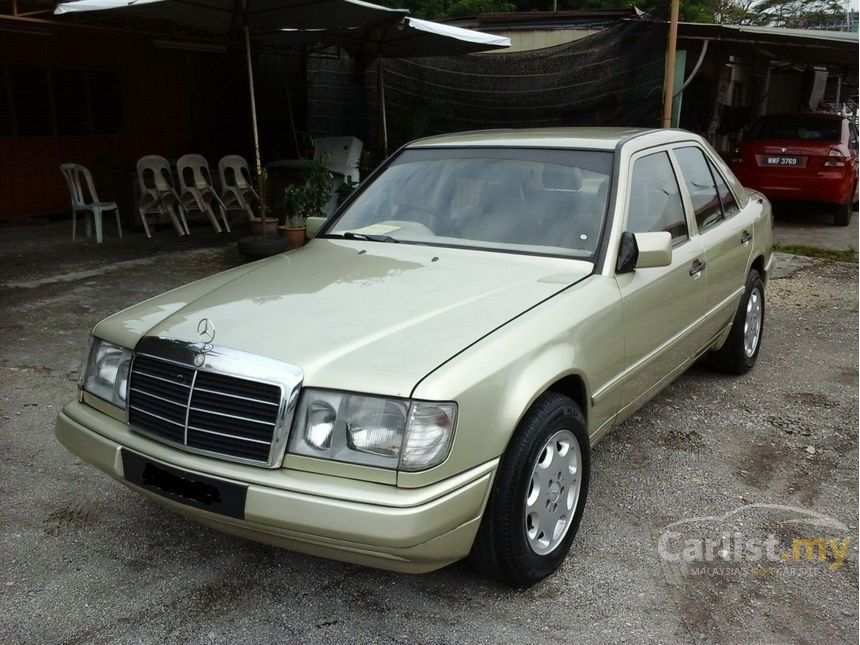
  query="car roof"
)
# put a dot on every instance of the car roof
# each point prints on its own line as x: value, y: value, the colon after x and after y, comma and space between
x: 593, y: 138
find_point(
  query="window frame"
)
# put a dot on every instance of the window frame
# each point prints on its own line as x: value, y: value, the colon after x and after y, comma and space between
x: 713, y: 168
x: 689, y: 198
x: 12, y: 127
x: 646, y: 152
x: 714, y: 165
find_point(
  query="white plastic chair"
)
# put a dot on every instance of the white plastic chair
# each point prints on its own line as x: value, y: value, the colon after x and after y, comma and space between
x: 157, y: 194
x: 195, y: 189
x: 237, y: 190
x: 72, y: 173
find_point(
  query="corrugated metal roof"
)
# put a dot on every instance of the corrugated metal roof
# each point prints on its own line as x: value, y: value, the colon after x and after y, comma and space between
x: 803, y: 46
x: 776, y: 32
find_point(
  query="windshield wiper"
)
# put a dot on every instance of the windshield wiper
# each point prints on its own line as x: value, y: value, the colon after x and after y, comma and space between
x: 349, y: 235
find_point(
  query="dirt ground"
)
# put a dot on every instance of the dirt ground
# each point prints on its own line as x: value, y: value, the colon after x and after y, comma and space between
x: 768, y: 456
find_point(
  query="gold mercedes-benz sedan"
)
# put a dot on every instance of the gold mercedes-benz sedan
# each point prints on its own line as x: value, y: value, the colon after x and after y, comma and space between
x: 424, y: 380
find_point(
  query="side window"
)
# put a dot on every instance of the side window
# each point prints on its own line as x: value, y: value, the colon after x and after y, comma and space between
x: 655, y: 199
x: 700, y: 185
x: 727, y: 200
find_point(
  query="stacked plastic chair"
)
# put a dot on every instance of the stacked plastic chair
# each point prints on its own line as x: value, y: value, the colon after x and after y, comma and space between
x: 237, y: 190
x: 196, y: 192
x: 158, y: 195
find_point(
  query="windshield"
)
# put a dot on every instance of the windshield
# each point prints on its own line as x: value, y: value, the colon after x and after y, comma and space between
x: 796, y: 128
x: 549, y: 202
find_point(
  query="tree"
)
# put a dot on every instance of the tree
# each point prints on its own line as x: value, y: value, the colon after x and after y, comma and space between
x: 798, y: 13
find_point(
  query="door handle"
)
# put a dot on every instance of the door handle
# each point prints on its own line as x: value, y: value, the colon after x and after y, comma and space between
x: 746, y: 237
x: 696, y: 269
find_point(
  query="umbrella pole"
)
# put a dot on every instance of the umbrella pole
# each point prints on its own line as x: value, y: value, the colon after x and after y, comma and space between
x: 259, y: 165
x: 380, y: 75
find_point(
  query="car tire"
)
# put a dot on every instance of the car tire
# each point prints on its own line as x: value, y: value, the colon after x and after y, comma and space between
x: 842, y: 217
x: 510, y: 545
x: 739, y: 353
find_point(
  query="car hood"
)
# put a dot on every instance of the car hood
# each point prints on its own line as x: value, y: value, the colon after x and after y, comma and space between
x: 355, y: 315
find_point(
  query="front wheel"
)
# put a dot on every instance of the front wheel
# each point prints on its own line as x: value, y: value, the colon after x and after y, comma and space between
x: 739, y: 353
x: 538, y: 495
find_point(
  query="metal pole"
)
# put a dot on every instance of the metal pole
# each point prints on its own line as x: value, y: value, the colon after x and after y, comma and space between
x: 839, y: 92
x: 380, y: 74
x: 259, y: 165
x: 669, y: 77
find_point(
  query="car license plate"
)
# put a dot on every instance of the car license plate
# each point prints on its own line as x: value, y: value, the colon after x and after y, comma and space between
x: 207, y: 493
x: 771, y: 160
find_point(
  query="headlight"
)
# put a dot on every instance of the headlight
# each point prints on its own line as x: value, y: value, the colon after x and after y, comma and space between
x: 373, y: 430
x: 106, y: 372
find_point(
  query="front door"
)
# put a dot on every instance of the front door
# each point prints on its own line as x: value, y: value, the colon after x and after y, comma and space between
x: 662, y: 306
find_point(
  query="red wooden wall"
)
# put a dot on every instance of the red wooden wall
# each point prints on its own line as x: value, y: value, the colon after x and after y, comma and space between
x: 155, y: 115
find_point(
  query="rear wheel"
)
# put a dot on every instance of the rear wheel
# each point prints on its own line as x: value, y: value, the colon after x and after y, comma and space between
x: 842, y: 217
x: 739, y: 353
x: 538, y: 495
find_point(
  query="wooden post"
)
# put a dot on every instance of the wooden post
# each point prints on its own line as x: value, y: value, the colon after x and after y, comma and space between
x: 669, y: 76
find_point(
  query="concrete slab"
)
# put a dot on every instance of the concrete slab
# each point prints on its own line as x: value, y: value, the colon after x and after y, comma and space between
x: 37, y: 250
x: 812, y: 224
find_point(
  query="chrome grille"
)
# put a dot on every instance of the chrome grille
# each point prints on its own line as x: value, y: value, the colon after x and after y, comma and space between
x: 202, y: 409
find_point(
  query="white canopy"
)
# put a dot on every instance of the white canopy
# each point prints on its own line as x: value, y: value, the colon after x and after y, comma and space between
x: 405, y: 38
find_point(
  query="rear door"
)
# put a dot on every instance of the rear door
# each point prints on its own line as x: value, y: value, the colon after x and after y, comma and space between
x: 725, y: 231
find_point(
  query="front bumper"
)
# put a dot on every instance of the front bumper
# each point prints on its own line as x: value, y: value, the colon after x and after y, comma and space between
x: 408, y: 530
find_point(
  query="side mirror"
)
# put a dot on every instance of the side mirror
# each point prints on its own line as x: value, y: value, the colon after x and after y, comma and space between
x: 313, y: 225
x: 644, y: 251
x: 655, y: 249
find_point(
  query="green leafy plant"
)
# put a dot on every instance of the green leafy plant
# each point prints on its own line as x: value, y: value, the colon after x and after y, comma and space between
x: 301, y: 201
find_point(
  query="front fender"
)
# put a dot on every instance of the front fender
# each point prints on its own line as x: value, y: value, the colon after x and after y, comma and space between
x: 578, y: 332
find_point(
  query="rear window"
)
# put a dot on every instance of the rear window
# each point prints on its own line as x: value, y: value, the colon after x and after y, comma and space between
x: 796, y: 128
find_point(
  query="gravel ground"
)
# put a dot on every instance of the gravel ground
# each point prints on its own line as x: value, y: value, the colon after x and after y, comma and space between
x: 82, y: 559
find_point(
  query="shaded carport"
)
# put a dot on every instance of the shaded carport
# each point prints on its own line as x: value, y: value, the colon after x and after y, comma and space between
x: 735, y: 73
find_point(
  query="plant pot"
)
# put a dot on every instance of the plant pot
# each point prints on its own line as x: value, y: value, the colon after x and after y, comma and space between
x: 265, y: 226
x: 295, y: 236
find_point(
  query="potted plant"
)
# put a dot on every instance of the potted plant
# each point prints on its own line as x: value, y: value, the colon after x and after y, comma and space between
x: 306, y: 200
x: 264, y: 225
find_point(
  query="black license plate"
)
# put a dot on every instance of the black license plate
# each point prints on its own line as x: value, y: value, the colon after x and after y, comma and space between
x: 773, y: 160
x: 194, y: 490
